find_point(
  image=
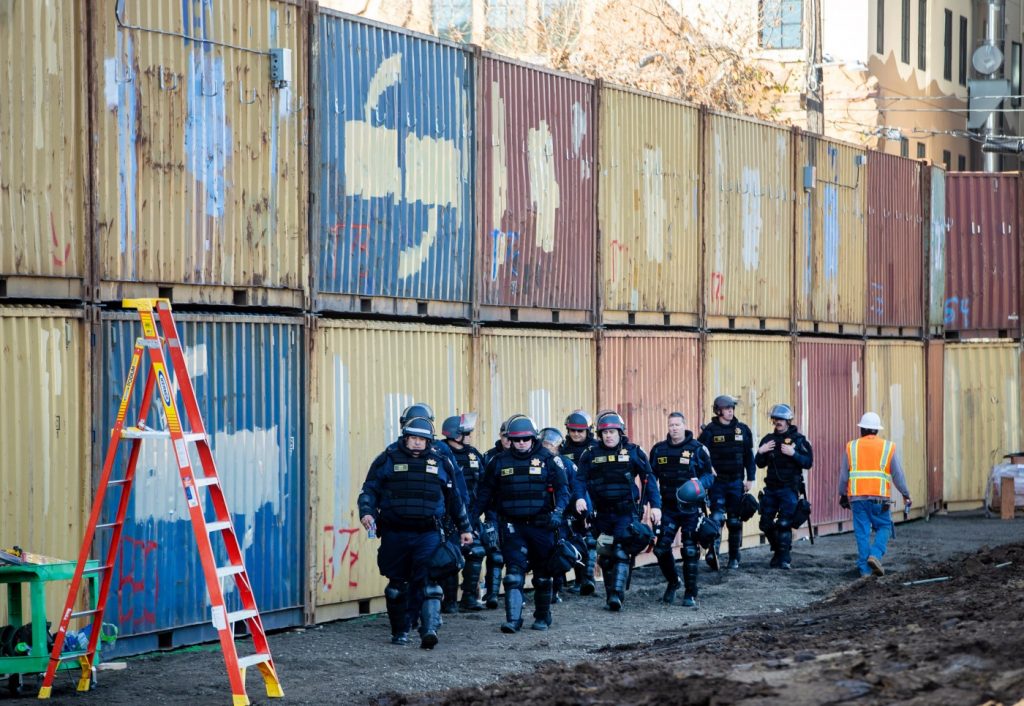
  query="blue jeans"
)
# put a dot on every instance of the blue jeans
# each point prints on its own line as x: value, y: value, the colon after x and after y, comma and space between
x: 870, y: 515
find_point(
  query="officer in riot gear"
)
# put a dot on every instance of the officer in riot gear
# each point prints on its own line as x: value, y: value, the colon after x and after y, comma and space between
x: 731, y: 445
x: 408, y: 492
x: 786, y: 453
x: 607, y: 472
x: 490, y: 537
x: 526, y: 486
x: 456, y: 431
x: 674, y: 461
x: 552, y: 440
x: 579, y: 437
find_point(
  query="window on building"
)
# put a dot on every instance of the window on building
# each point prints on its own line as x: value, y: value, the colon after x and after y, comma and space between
x: 880, y: 26
x: 962, y: 74
x: 782, y: 24
x: 922, y: 151
x: 453, y: 19
x: 947, y: 47
x: 961, y: 163
x: 1016, y: 85
x: 905, y: 32
x: 946, y: 157
x: 922, y: 34
x: 904, y: 147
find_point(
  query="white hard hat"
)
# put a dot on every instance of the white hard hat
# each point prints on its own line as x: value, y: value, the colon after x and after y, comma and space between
x: 870, y: 420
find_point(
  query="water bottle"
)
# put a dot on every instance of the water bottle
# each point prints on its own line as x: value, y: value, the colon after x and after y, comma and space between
x: 372, y: 531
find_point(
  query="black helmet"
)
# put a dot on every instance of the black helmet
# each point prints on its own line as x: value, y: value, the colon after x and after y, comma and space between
x: 722, y: 402
x: 781, y: 411
x: 450, y: 428
x: 611, y: 420
x: 550, y: 435
x: 418, y: 426
x: 748, y: 506
x: 578, y: 420
x: 418, y: 409
x: 503, y: 429
x: 691, y: 494
x: 521, y: 427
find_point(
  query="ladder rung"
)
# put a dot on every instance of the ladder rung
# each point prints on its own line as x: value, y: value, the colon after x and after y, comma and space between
x: 239, y: 615
x: 107, y: 525
x: 250, y: 660
x: 136, y: 433
x: 80, y: 613
x: 74, y: 654
x: 218, y: 526
x: 120, y: 481
x: 223, y: 571
x: 204, y: 481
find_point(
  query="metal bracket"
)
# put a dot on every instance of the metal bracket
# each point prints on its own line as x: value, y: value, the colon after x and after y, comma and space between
x: 242, y: 94
x: 164, y: 86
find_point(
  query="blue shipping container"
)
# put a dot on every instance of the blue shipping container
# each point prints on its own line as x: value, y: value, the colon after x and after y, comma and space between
x: 395, y: 153
x: 249, y: 378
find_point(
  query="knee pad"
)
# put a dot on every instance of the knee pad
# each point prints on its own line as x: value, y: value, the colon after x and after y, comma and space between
x: 396, y: 590
x: 718, y: 516
x: 620, y: 554
x: 766, y: 525
x: 785, y: 523
x: 734, y: 524
x: 690, y: 550
x: 496, y: 559
x: 542, y: 583
x: 512, y: 581
x: 663, y: 548
x: 432, y: 591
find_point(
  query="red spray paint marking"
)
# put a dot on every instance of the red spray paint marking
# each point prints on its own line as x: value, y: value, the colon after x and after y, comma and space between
x: 327, y: 569
x: 137, y: 574
x: 58, y: 262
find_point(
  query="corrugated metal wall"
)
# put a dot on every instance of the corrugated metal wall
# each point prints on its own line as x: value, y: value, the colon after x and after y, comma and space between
x: 362, y: 376
x: 394, y: 150
x: 645, y: 375
x: 200, y: 171
x: 545, y: 374
x: 934, y: 413
x: 895, y: 382
x: 983, y: 255
x: 249, y: 378
x: 44, y: 201
x: 832, y: 240
x: 895, y: 241
x: 937, y: 251
x: 829, y: 401
x: 648, y: 208
x: 537, y: 188
x: 44, y: 479
x: 748, y: 219
x: 982, y: 416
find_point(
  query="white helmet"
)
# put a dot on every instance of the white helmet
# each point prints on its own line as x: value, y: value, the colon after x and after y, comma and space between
x: 870, y: 420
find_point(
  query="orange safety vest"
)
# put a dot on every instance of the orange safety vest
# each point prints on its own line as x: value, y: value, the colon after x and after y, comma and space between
x: 870, y: 458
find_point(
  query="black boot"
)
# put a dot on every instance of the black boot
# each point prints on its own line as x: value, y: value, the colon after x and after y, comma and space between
x: 785, y: 545
x: 668, y: 569
x: 471, y: 586
x: 493, y: 584
x: 712, y: 554
x: 396, y: 597
x: 587, y: 586
x: 615, y: 585
x: 735, y: 542
x: 513, y: 603
x: 542, y: 599
x: 690, y: 578
x: 450, y: 602
x: 430, y: 616
x: 556, y: 586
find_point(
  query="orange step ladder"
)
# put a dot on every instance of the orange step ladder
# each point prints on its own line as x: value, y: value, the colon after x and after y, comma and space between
x: 160, y: 335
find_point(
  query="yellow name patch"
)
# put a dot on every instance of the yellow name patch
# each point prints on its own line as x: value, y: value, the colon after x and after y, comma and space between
x: 507, y: 471
x: 401, y: 467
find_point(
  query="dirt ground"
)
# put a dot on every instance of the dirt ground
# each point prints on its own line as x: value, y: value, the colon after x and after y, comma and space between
x: 816, y: 634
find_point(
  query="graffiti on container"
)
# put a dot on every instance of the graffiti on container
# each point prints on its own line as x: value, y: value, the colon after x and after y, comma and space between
x: 717, y: 285
x: 618, y: 251
x: 504, y: 247
x: 137, y: 582
x: 876, y: 297
x: 58, y: 261
x: 328, y: 570
x: 955, y: 306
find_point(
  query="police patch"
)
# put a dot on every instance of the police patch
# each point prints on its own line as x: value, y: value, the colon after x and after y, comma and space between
x: 622, y: 457
x: 687, y: 454
x: 719, y: 439
x: 534, y: 461
x: 662, y: 460
x: 401, y: 467
x: 507, y: 471
x: 432, y: 469
x: 558, y: 462
x: 431, y: 462
x: 788, y: 441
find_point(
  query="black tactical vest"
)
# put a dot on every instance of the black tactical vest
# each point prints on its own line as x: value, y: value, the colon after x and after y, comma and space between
x: 673, y: 466
x: 784, y: 471
x: 413, y: 494
x: 725, y: 444
x: 472, y: 466
x: 610, y: 480
x: 573, y: 451
x: 523, y: 488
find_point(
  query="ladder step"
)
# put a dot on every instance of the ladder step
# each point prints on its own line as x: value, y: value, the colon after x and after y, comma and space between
x: 206, y: 480
x: 107, y: 525
x: 74, y: 654
x: 223, y: 571
x: 80, y: 613
x: 250, y: 660
x: 121, y: 481
x: 136, y: 433
x: 218, y: 526
x: 238, y: 615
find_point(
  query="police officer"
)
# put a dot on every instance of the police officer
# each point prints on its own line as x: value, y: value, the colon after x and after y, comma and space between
x: 526, y: 485
x: 490, y: 537
x: 674, y: 461
x: 456, y: 431
x: 785, y: 452
x: 408, y: 491
x: 552, y: 440
x: 731, y: 445
x: 579, y: 438
x: 608, y: 472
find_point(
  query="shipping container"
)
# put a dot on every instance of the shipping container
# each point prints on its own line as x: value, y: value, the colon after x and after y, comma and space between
x: 982, y: 255
x: 982, y: 417
x: 829, y: 376
x: 249, y: 378
x: 895, y: 389
x: 537, y: 233
x: 393, y: 226
x: 44, y: 200
x: 645, y: 375
x: 895, y: 241
x: 935, y: 374
x: 648, y: 209
x: 937, y: 250
x: 757, y: 371
x: 831, y: 245
x: 199, y: 177
x: 544, y: 374
x: 748, y: 223
x: 44, y: 474
x: 362, y: 376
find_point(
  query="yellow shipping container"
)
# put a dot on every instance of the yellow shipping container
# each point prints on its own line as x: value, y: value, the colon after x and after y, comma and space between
x: 43, y: 112
x: 362, y: 375
x: 982, y: 416
x: 748, y: 223
x: 895, y: 383
x: 44, y: 423
x: 832, y: 237
x: 647, y: 208
x: 201, y: 158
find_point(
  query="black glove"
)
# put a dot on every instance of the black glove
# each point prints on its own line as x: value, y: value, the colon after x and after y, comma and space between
x: 555, y: 520
x: 844, y: 502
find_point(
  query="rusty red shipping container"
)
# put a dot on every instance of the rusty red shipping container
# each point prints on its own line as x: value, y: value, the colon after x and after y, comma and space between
x: 934, y: 377
x: 895, y: 286
x: 537, y: 232
x: 829, y: 402
x: 982, y: 255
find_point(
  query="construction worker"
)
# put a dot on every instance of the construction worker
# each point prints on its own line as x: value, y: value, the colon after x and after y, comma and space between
x: 785, y: 452
x: 677, y: 459
x: 456, y: 431
x: 527, y: 487
x: 408, y: 492
x: 731, y: 445
x: 607, y: 472
x: 866, y: 471
x: 579, y: 438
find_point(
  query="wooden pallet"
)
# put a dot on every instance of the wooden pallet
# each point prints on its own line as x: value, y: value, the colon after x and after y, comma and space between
x: 391, y: 306
x: 746, y: 323
x: 648, y: 318
x: 830, y: 328
x: 511, y: 314
x: 895, y: 331
x: 22, y: 287
x: 217, y: 295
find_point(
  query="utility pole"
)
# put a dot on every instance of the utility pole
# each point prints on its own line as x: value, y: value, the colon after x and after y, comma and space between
x: 814, y: 99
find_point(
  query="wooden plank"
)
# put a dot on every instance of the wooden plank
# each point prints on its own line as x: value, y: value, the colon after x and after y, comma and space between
x: 1007, y: 498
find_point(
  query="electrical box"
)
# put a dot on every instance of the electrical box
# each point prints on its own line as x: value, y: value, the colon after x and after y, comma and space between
x: 809, y: 177
x: 860, y: 160
x: 280, y: 67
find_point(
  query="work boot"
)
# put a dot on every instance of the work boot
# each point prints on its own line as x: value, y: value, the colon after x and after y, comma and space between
x: 690, y: 581
x: 493, y: 587
x: 397, y: 602
x: 668, y: 569
x: 430, y: 618
x: 876, y: 566
x: 712, y: 556
x: 615, y: 585
x: 513, y: 611
x: 776, y: 561
x: 689, y: 602
x: 735, y: 541
x: 786, y: 561
x: 587, y: 587
x: 542, y: 600
x: 450, y: 602
x: 734, y: 563
x: 556, y: 586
